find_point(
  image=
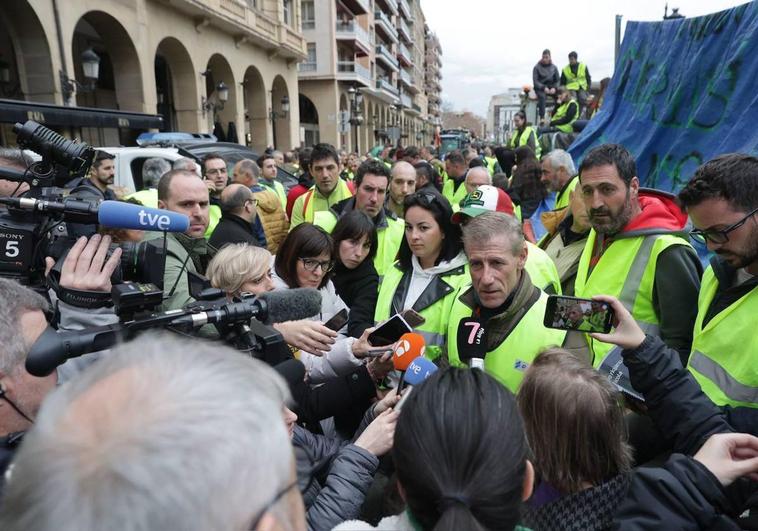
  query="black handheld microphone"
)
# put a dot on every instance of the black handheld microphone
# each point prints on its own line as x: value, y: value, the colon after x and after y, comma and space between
x: 472, y: 344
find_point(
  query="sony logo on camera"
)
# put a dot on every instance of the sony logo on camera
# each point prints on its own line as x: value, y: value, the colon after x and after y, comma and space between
x: 160, y: 221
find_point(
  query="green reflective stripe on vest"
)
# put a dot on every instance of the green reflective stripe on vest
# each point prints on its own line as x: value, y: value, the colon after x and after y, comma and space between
x: 214, y: 216
x: 563, y: 111
x: 523, y: 140
x: 388, y: 240
x: 578, y: 81
x: 724, y: 358
x: 735, y: 391
x: 517, y: 212
x: 562, y: 199
x: 454, y: 196
x: 626, y: 270
x: 338, y: 194
x: 542, y: 270
x: 437, y: 315
x: 513, y: 356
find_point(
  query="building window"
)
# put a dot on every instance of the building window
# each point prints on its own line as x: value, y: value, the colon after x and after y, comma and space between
x: 308, y: 14
x: 287, y: 10
x: 309, y: 65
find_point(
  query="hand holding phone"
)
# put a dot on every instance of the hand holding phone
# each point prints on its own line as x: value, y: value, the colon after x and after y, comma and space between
x: 389, y: 331
x: 583, y: 315
x: 338, y: 320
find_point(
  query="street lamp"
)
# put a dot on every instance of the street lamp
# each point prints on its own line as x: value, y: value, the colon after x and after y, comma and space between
x: 356, y: 119
x: 273, y: 115
x: 91, y: 71
x: 222, y: 96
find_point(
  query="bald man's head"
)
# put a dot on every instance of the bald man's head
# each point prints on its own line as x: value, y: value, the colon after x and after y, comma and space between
x: 403, y: 182
x: 237, y: 199
x: 477, y: 177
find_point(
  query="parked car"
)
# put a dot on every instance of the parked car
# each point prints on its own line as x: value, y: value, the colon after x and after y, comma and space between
x: 129, y: 160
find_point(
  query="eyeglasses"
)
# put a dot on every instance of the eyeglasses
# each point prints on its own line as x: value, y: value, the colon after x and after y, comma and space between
x: 252, y: 200
x: 311, y: 475
x: 719, y: 236
x: 310, y: 264
x: 269, y: 505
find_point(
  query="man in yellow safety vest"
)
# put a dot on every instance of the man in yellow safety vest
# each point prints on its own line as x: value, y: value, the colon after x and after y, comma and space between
x: 328, y: 188
x: 722, y: 201
x: 636, y: 251
x: 575, y: 76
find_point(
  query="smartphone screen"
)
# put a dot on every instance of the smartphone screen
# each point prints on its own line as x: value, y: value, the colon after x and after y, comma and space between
x: 389, y: 332
x: 337, y: 321
x: 583, y: 315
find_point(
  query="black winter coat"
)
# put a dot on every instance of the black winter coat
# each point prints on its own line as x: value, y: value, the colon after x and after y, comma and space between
x: 359, y: 288
x: 232, y: 229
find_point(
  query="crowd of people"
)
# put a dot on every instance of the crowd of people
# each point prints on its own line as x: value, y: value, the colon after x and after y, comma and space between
x: 520, y: 427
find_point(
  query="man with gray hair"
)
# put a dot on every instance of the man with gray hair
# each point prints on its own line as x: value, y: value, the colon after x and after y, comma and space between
x: 152, y: 171
x: 476, y: 177
x: 559, y: 176
x: 22, y: 321
x: 161, y: 434
x: 402, y: 184
x: 509, y: 307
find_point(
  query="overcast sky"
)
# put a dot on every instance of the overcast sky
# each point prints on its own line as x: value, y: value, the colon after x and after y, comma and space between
x: 489, y: 46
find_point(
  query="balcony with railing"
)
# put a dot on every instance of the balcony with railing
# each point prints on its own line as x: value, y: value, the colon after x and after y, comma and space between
x: 405, y: 77
x: 404, y: 54
x: 307, y: 67
x: 388, y: 5
x: 404, y: 30
x: 385, y: 55
x: 406, y: 101
x: 352, y: 31
x: 405, y: 9
x: 384, y: 26
x: 387, y: 86
x: 353, y: 71
x: 357, y: 7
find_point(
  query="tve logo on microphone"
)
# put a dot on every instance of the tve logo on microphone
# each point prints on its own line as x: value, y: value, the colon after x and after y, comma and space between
x: 155, y: 220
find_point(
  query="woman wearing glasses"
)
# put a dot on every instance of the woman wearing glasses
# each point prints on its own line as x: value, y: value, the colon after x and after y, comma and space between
x: 430, y: 269
x: 305, y: 260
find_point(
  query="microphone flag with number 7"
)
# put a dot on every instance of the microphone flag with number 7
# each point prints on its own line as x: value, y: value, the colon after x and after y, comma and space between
x: 472, y: 344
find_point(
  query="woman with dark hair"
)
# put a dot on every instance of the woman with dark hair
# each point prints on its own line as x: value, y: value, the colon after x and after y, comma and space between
x: 523, y: 134
x: 574, y: 421
x: 460, y: 455
x: 506, y: 158
x: 430, y: 269
x: 355, y: 278
x: 527, y: 189
x: 305, y: 260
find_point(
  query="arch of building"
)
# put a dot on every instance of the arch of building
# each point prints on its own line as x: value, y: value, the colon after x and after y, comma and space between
x: 180, y: 101
x: 281, y: 122
x: 24, y: 43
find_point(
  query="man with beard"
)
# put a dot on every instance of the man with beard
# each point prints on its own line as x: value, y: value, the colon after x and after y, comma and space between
x: 94, y: 188
x: 722, y: 201
x: 636, y: 251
